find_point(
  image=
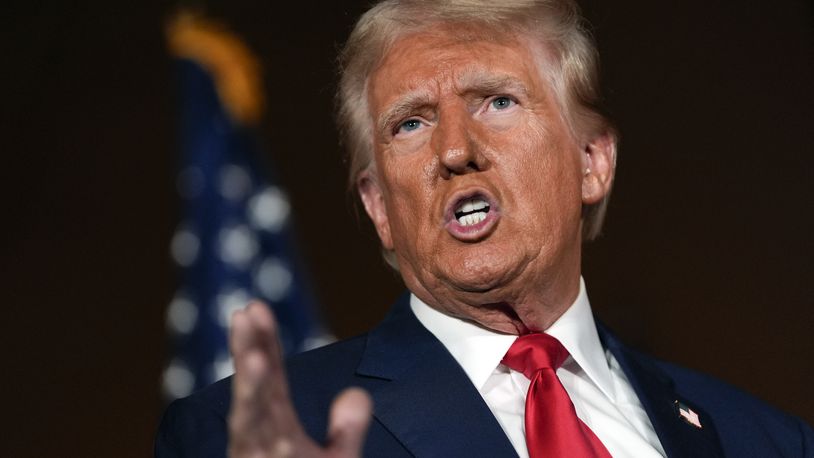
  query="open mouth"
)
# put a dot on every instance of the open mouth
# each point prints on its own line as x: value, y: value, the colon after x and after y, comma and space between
x: 471, y: 211
x: 472, y: 216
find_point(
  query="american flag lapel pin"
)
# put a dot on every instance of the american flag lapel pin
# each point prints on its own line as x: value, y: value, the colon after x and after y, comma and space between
x: 688, y: 415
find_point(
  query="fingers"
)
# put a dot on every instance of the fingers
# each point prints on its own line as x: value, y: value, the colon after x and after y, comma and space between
x: 261, y: 417
x: 257, y: 353
x: 262, y: 421
x: 348, y: 423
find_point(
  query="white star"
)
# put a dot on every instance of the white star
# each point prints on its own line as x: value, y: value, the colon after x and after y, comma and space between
x: 222, y: 367
x: 317, y: 340
x: 234, y: 182
x: 273, y: 279
x: 182, y: 315
x: 237, y: 245
x: 184, y: 247
x: 269, y: 209
x: 227, y: 302
x: 178, y: 380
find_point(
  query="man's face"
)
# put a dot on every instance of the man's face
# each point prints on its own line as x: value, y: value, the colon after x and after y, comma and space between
x: 478, y: 182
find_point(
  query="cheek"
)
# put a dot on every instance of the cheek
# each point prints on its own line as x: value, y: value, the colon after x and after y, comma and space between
x: 409, y: 182
x: 411, y: 176
x: 525, y: 155
x: 544, y: 177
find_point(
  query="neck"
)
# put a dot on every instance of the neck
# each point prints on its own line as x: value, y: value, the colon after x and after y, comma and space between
x: 515, y: 311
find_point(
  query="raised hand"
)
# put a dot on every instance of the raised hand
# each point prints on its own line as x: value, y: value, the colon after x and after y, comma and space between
x: 263, y: 422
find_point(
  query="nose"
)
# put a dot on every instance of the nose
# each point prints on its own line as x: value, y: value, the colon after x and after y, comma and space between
x: 459, y: 151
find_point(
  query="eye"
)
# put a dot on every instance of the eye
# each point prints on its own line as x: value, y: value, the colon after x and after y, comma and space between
x: 501, y: 103
x: 409, y: 126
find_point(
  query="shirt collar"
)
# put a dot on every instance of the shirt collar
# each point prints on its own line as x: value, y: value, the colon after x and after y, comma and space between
x: 479, y: 350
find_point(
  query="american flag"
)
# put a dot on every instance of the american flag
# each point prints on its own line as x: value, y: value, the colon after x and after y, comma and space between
x: 688, y: 415
x: 234, y: 241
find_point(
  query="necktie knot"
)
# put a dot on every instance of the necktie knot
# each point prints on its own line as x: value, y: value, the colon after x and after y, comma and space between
x: 531, y: 353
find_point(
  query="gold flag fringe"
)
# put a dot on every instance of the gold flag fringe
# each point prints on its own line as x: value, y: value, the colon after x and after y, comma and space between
x: 234, y: 69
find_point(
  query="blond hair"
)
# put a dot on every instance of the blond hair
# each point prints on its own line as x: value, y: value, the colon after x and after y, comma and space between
x: 557, y: 24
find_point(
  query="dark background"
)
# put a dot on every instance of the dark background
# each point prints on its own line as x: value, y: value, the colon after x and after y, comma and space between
x: 706, y: 258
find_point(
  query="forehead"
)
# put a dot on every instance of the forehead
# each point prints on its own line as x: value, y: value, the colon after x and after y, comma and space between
x: 454, y: 57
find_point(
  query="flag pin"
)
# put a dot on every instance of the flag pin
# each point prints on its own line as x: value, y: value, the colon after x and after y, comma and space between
x: 688, y: 415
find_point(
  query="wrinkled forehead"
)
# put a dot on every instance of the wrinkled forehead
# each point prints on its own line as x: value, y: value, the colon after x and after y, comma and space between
x: 447, y: 34
x: 461, y: 56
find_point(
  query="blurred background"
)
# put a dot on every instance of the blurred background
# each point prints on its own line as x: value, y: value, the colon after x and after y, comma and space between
x: 706, y: 257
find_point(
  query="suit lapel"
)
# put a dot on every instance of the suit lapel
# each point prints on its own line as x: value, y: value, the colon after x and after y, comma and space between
x: 451, y: 419
x: 428, y: 404
x: 657, y: 394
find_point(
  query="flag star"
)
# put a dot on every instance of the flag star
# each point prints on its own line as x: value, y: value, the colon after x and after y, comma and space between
x: 228, y: 302
x: 222, y: 367
x: 237, y: 246
x: 234, y: 183
x: 182, y: 314
x: 184, y: 247
x: 317, y: 340
x: 273, y: 279
x: 269, y: 209
x: 179, y: 380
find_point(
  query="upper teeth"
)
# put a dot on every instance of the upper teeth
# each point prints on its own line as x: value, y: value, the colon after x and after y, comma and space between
x: 471, y: 211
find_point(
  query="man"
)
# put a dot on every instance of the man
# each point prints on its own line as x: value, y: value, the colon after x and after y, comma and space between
x: 483, y: 161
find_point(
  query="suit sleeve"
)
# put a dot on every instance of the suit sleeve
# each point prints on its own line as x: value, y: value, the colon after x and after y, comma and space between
x: 190, y: 428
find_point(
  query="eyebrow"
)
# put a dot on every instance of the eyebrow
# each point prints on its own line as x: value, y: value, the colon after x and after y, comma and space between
x: 403, y: 107
x: 475, y: 81
x: 481, y: 82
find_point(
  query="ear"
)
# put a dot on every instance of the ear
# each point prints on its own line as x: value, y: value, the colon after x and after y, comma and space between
x: 599, y: 167
x: 373, y: 198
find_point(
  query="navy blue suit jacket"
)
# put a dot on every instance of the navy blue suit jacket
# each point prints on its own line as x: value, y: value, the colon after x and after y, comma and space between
x: 425, y: 406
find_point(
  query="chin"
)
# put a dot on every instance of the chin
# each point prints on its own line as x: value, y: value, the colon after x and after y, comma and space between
x: 483, y: 270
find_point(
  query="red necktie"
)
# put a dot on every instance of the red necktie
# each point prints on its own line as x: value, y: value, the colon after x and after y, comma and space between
x: 552, y: 426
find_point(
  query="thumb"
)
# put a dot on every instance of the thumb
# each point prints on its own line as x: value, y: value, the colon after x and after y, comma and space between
x: 349, y: 420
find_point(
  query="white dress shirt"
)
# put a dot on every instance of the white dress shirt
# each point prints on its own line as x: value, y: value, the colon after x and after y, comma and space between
x: 602, y: 395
